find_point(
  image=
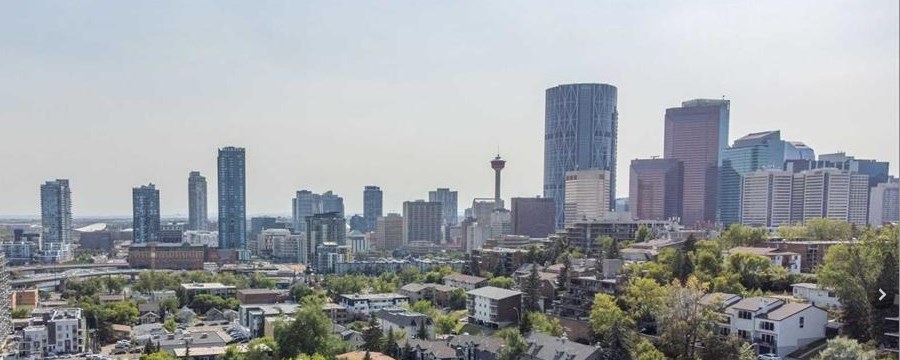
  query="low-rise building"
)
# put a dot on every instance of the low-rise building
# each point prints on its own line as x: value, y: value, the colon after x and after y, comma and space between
x: 188, y: 291
x: 466, y: 282
x: 499, y: 261
x: 812, y: 252
x: 816, y: 295
x: 494, y: 307
x: 545, y: 347
x: 261, y: 296
x: 172, y: 256
x: 256, y: 316
x: 64, y: 331
x: 438, y: 294
x: 786, y: 259
x: 364, y: 304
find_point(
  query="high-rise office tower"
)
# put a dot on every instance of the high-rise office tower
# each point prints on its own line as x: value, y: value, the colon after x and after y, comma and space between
x: 331, y: 202
x: 534, y: 217
x: 422, y: 221
x: 798, y: 150
x: 877, y: 171
x: 145, y: 213
x: 372, y: 206
x: 884, y: 203
x: 260, y: 223
x: 654, y: 191
x: 325, y: 227
x: 766, y: 196
x: 6, y: 327
x: 389, y: 232
x: 580, y: 132
x: 696, y: 134
x: 835, y: 194
x: 306, y: 204
x: 198, y: 219
x: 762, y: 150
x: 56, y: 213
x: 449, y: 204
x: 232, y: 198
x: 587, y: 195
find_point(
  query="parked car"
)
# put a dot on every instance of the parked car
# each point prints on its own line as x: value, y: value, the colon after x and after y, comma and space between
x: 769, y: 356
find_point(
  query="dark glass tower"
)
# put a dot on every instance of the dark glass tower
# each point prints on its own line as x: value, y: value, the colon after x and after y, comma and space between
x: 581, y: 127
x: 145, y: 213
x: 56, y: 212
x: 232, y: 198
x: 372, y: 206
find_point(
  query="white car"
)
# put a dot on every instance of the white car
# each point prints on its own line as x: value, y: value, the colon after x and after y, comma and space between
x: 769, y: 356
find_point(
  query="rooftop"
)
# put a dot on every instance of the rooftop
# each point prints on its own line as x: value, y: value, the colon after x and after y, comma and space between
x: 468, y: 279
x: 494, y: 293
x: 787, y: 310
x: 273, y: 309
x: 543, y: 346
x: 259, y: 291
x: 755, y: 303
x: 359, y: 355
x: 203, y: 286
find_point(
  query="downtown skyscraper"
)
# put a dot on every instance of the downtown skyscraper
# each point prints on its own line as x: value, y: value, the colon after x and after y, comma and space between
x: 145, y: 213
x: 372, y: 206
x: 232, y: 198
x: 198, y: 218
x: 580, y: 133
x: 449, y: 204
x: 56, y: 213
x: 697, y: 134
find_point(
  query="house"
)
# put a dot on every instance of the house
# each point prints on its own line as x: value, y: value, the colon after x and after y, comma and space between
x: 185, y: 315
x: 545, y: 347
x: 477, y: 347
x: 159, y: 296
x: 363, y: 304
x: 148, y: 307
x: 786, y: 259
x: 467, y: 282
x: 409, y: 322
x: 149, y: 318
x: 776, y: 326
x: 231, y: 315
x: 214, y: 315
x: 817, y: 296
x: 429, y: 349
x: 256, y: 317
x: 719, y: 302
x: 121, y: 331
x: 351, y: 337
x: 494, y: 307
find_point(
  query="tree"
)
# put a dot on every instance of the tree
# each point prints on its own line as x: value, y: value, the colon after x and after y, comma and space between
x: 644, y: 297
x: 424, y: 307
x: 502, y: 282
x: 445, y: 324
x: 644, y: 350
x: 150, y: 348
x: 852, y: 271
x: 746, y: 352
x: 609, y: 247
x: 738, y: 235
x: 474, y: 268
x: 562, y: 281
x: 422, y: 333
x: 263, y: 348
x: 300, y: 291
x: 170, y: 324
x: 407, y: 352
x: 457, y: 299
x: 309, y: 333
x: 21, y: 313
x: 515, y: 344
x: 681, y: 265
x: 541, y: 323
x: 366, y: 356
x: 531, y: 288
x: 159, y: 355
x: 372, y: 335
x: 684, y: 320
x: 750, y: 268
x: 828, y: 229
x: 843, y: 348
x: 610, y: 324
x: 390, y: 343
x: 642, y: 234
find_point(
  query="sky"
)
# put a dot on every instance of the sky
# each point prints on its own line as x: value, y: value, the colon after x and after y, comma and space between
x: 408, y: 95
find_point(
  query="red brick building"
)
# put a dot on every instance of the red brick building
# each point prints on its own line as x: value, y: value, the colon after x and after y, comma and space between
x: 167, y: 256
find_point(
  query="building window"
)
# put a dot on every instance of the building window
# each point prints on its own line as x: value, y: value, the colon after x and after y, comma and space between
x: 801, y: 322
x: 743, y: 334
x: 765, y: 325
x: 745, y: 315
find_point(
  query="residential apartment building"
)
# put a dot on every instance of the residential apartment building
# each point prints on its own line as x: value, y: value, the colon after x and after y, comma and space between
x: 422, y: 221
x: 411, y: 323
x: 372, y: 206
x: 389, y: 232
x: 884, y: 203
x: 56, y: 221
x: 188, y: 291
x: 232, y: 192
x: 198, y: 219
x: 169, y: 256
x: 494, y: 307
x: 367, y: 303
x: 791, y: 261
x: 449, y: 204
x: 64, y: 331
x: 466, y: 282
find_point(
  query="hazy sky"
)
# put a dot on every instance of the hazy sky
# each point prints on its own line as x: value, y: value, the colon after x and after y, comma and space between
x: 410, y: 95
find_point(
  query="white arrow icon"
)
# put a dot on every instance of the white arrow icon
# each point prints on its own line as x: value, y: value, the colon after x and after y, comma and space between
x: 882, y: 294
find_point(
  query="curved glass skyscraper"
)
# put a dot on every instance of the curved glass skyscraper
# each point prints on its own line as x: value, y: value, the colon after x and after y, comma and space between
x: 580, y: 132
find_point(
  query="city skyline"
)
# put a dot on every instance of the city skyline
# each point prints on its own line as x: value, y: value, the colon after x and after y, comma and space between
x: 496, y: 104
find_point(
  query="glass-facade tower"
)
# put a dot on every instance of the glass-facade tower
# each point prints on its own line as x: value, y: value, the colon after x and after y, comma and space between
x: 198, y: 218
x: 56, y: 212
x: 372, y: 206
x: 232, y: 198
x: 763, y: 150
x: 580, y: 133
x: 145, y: 213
